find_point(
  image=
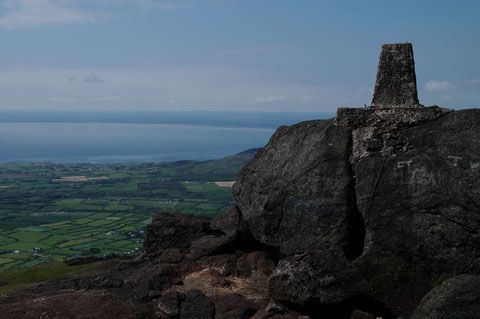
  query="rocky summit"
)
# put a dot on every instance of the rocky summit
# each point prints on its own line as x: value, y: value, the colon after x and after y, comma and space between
x: 375, y: 213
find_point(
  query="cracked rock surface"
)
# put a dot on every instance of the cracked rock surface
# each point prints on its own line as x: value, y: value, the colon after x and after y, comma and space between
x: 400, y: 219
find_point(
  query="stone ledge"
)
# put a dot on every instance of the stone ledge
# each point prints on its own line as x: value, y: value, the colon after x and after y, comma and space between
x: 373, y: 116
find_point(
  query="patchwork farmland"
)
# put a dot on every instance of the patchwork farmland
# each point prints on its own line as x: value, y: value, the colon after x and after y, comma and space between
x: 100, y: 209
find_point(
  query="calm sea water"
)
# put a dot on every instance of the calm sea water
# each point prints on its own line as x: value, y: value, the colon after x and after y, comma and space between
x: 120, y: 142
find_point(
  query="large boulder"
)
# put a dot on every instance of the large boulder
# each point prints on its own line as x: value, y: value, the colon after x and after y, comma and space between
x: 298, y: 196
x: 298, y: 193
x: 174, y: 231
x: 458, y: 297
x: 192, y: 304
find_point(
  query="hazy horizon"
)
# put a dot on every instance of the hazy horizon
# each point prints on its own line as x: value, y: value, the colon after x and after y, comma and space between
x: 269, y: 56
x: 118, y: 137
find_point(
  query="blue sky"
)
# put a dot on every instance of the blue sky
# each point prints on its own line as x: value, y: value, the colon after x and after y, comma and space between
x: 251, y: 55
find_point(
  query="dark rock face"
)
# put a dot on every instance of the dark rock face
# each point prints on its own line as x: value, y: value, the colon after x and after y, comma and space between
x: 396, y: 84
x: 458, y: 297
x: 233, y: 306
x: 358, y: 314
x: 320, y: 277
x: 228, y: 222
x: 168, y: 306
x: 190, y: 305
x: 196, y: 306
x: 169, y: 231
x: 421, y: 206
x: 298, y: 192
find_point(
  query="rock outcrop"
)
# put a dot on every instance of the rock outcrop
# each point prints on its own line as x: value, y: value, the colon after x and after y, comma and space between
x: 380, y: 203
x: 170, y: 231
x: 458, y: 297
x: 375, y: 213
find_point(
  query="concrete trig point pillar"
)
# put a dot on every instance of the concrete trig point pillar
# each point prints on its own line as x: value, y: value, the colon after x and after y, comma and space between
x: 395, y: 101
x: 396, y: 84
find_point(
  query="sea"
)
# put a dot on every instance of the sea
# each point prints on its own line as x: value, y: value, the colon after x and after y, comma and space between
x: 118, y: 137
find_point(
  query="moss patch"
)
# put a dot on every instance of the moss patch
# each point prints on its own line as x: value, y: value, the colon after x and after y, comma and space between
x: 19, y: 278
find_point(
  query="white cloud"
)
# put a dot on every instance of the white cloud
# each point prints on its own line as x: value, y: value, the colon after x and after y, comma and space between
x: 142, y: 5
x: 473, y: 82
x: 92, y: 99
x: 32, y: 13
x: 104, y: 98
x: 62, y: 99
x: 268, y: 99
x: 256, y: 49
x: 305, y: 98
x: 148, y: 4
x: 208, y: 88
x: 29, y: 13
x: 434, y: 85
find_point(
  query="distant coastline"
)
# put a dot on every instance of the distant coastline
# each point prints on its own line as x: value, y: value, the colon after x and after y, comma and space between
x: 203, y: 118
x: 63, y: 142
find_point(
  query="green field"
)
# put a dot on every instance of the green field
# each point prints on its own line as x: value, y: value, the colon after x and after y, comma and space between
x: 43, y: 220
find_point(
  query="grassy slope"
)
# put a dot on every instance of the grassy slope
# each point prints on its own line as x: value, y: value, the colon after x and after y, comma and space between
x: 21, y: 278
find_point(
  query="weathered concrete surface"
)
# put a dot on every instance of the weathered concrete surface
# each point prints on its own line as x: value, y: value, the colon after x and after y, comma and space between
x: 396, y: 84
x: 375, y: 131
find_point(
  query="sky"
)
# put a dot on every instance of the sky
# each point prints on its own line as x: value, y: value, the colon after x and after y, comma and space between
x: 229, y: 55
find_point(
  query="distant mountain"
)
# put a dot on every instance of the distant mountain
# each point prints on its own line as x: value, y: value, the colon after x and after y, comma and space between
x: 223, y: 169
x: 226, y: 165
